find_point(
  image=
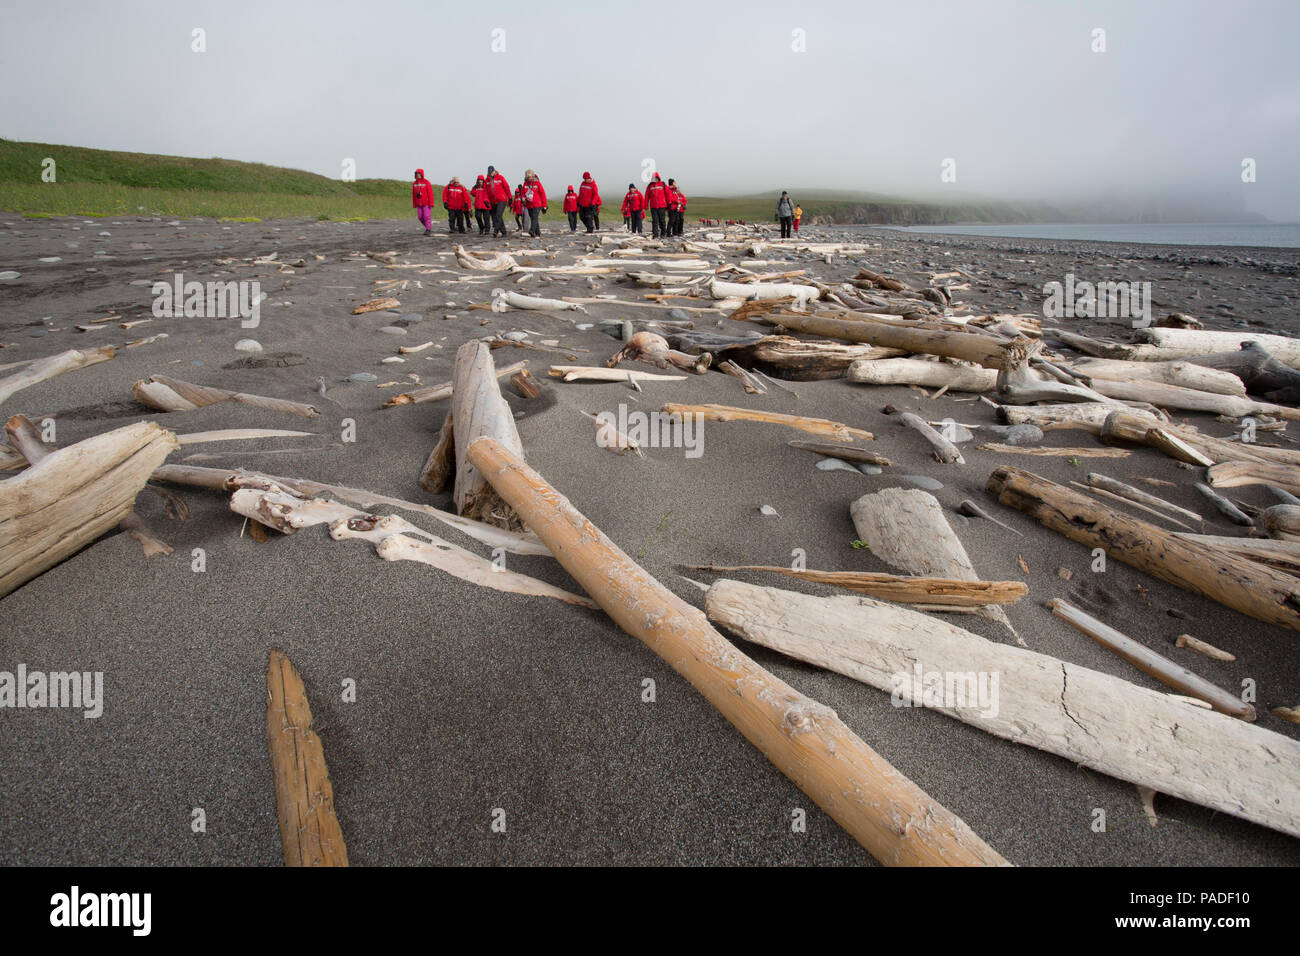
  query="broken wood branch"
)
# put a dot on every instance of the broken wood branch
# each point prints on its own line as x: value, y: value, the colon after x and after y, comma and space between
x: 727, y: 413
x: 900, y: 588
x: 41, y: 369
x: 172, y: 395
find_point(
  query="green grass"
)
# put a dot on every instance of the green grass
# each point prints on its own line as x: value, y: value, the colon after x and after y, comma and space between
x: 100, y: 183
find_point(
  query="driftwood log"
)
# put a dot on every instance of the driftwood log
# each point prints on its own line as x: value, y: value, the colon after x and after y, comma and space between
x: 888, y: 814
x: 172, y: 395
x: 72, y: 496
x: 968, y: 346
x: 304, y: 797
x: 1253, y: 589
x: 480, y: 410
x: 1258, y: 370
x: 728, y: 413
x: 910, y: 371
x: 900, y: 588
x: 1184, y: 374
x: 1087, y: 717
x: 436, y: 393
x: 41, y: 369
x: 842, y: 452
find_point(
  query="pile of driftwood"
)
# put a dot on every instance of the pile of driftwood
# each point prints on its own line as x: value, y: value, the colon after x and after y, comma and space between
x: 1199, y: 742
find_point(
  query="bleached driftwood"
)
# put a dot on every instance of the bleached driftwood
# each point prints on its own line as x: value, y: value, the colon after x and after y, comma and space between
x: 288, y: 513
x: 1193, y: 343
x: 70, y: 497
x: 1083, y: 416
x: 584, y: 373
x: 908, y: 371
x: 890, y: 816
x: 239, y: 434
x: 1087, y: 717
x: 484, y: 261
x: 902, y: 589
x: 969, y: 346
x: 802, y: 294
x: 1137, y: 495
x: 858, y: 455
x: 1253, y: 589
x: 503, y: 301
x: 728, y: 413
x: 436, y: 393
x: 310, y: 834
x: 480, y: 410
x: 653, y: 349
x: 942, y: 450
x: 1190, y: 400
x: 41, y: 369
x: 1183, y: 374
x: 1157, y: 665
x: 906, y: 529
x: 377, y: 305
x: 172, y: 395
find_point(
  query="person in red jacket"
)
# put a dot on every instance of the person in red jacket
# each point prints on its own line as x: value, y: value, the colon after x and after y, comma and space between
x: 674, y: 208
x: 499, y: 190
x: 633, y: 203
x: 422, y: 200
x: 571, y: 210
x: 589, y: 203
x: 482, y: 205
x: 535, y: 200
x: 517, y: 207
x: 455, y: 199
x: 681, y: 212
x: 656, y: 200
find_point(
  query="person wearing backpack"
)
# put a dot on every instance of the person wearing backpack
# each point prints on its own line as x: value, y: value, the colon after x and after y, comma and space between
x: 455, y: 199
x: 633, y: 203
x: 656, y: 200
x: 785, y: 213
x: 589, y: 203
x: 499, y: 193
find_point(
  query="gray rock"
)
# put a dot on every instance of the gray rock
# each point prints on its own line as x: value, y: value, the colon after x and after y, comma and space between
x: 248, y: 345
x: 679, y: 314
x: 835, y: 464
x: 515, y: 336
x: 413, y: 316
x: 9, y: 274
x: 393, y: 330
x: 870, y: 469
x: 51, y: 259
x: 362, y: 377
x: 37, y: 333
x: 924, y: 481
x: 1017, y: 434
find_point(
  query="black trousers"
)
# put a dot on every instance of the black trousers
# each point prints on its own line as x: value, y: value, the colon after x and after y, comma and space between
x: 585, y: 214
x: 786, y: 224
x: 636, y: 221
x: 481, y: 219
x: 573, y: 221
x: 535, y: 221
x: 595, y: 218
x: 499, y: 219
x: 519, y: 220
x: 658, y: 222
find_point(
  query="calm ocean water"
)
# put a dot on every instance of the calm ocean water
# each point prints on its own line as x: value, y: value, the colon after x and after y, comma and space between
x: 1279, y: 235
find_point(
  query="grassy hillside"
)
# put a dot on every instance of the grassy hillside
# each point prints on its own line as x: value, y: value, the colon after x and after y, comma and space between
x: 97, y: 182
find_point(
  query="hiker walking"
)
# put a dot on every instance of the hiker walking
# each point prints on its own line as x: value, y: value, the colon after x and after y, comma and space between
x: 785, y: 213
x: 798, y: 214
x: 571, y: 210
x: 456, y: 200
x: 633, y: 203
x: 656, y: 200
x: 517, y: 207
x: 482, y: 205
x: 499, y: 193
x: 589, y: 203
x: 422, y: 200
x: 535, y: 200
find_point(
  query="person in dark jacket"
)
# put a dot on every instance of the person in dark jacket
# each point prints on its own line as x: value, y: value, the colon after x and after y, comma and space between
x: 785, y: 213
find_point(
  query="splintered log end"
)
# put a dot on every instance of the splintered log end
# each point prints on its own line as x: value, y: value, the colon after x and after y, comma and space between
x: 441, y: 464
x: 304, y: 798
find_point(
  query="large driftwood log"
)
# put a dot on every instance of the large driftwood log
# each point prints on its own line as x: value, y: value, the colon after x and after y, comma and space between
x: 1081, y: 416
x: 1190, y: 400
x: 783, y: 355
x: 859, y: 455
x: 1126, y: 426
x: 884, y: 811
x: 72, y: 496
x: 728, y: 413
x: 172, y: 395
x: 1231, y: 474
x: 906, y: 529
x: 942, y: 450
x: 583, y: 373
x: 441, y: 463
x: 1184, y: 374
x: 480, y: 410
x: 1129, y: 732
x: 968, y: 346
x: 1197, y: 343
x: 652, y: 349
x: 41, y: 369
x: 1252, y: 589
x: 1146, y: 660
x: 909, y: 371
x: 1261, y: 373
x: 304, y: 797
x: 1136, y: 495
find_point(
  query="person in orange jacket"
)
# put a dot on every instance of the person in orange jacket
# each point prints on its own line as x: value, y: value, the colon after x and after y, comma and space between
x: 422, y: 200
x: 456, y: 200
x: 482, y: 205
x: 589, y: 203
x: 633, y: 203
x: 535, y: 200
x: 517, y: 207
x: 656, y: 200
x: 571, y: 210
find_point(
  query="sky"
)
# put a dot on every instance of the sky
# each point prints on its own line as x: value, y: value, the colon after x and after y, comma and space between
x: 729, y: 98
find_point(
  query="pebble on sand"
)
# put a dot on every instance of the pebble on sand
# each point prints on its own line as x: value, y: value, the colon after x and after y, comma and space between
x: 362, y: 377
x: 393, y: 330
x: 9, y: 274
x: 248, y: 345
x: 924, y: 481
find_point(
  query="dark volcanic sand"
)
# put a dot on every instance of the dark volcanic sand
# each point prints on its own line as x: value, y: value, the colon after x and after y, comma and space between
x: 470, y: 699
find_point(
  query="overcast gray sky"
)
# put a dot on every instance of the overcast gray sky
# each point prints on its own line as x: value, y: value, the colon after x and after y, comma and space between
x: 716, y: 94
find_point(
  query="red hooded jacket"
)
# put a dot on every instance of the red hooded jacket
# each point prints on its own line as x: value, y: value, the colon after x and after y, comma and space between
x: 633, y: 202
x: 656, y: 194
x: 455, y: 197
x: 535, y: 195
x: 482, y: 200
x: 571, y: 201
x: 681, y: 201
x: 421, y: 190
x: 498, y: 188
x: 588, y: 193
x: 517, y: 203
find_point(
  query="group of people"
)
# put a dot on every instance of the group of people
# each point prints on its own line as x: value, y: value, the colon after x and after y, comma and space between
x: 662, y: 202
